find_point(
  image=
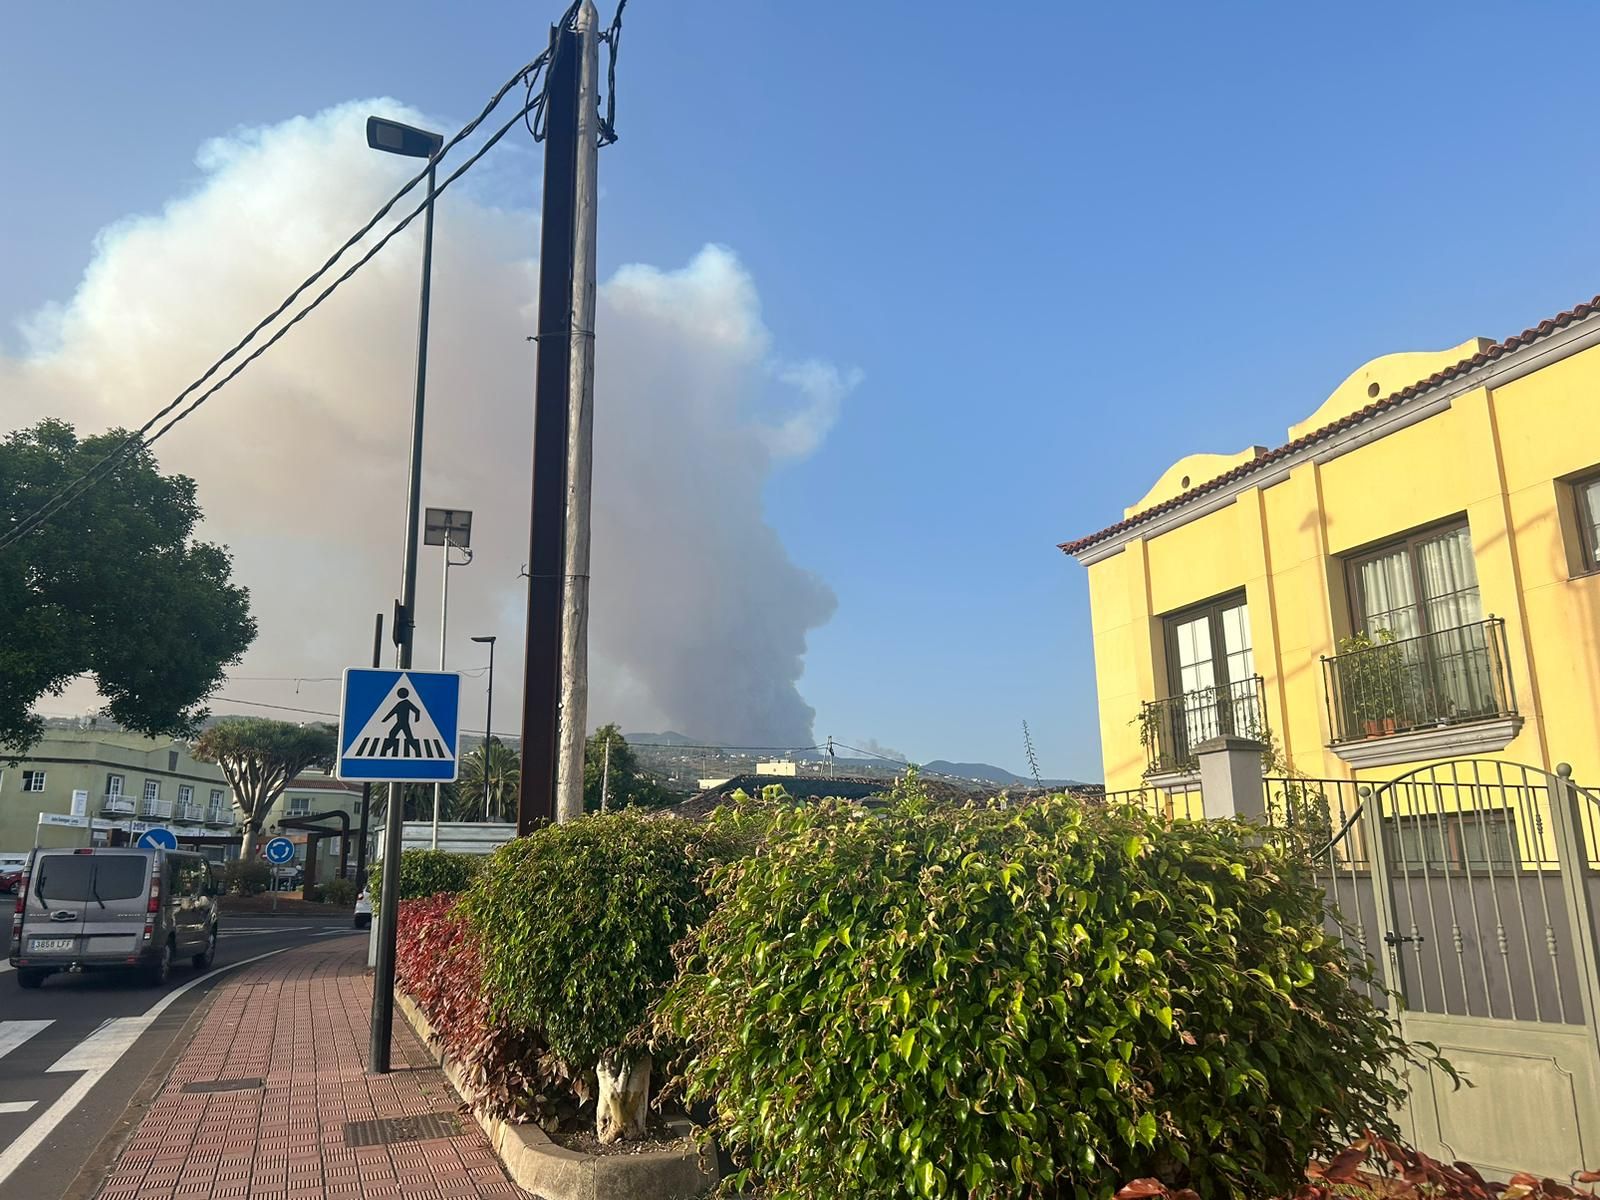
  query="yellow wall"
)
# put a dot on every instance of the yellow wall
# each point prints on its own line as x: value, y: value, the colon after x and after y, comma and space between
x: 1495, y: 457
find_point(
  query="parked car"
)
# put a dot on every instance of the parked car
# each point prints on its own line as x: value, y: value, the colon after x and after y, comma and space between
x: 121, y: 909
x: 10, y: 878
x: 363, y: 910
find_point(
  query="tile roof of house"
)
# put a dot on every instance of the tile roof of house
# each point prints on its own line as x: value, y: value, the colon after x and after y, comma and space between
x: 1470, y: 363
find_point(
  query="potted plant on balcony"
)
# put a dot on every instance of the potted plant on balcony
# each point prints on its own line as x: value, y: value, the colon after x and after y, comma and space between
x: 1373, y: 677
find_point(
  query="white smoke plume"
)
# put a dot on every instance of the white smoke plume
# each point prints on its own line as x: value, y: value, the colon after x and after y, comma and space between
x: 699, y: 617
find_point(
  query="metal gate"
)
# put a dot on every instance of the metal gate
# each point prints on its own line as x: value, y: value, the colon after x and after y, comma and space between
x: 1468, y: 887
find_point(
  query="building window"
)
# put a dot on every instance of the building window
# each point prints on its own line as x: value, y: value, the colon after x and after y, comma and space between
x: 114, y: 785
x: 1422, y: 653
x: 1453, y: 842
x: 185, y: 794
x: 1586, y: 497
x: 172, y: 760
x: 216, y: 797
x: 152, y: 789
x: 1212, y: 685
x: 299, y: 806
x: 1416, y: 585
x: 33, y: 781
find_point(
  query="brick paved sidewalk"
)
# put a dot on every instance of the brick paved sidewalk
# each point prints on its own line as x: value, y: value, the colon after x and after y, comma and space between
x: 299, y: 1022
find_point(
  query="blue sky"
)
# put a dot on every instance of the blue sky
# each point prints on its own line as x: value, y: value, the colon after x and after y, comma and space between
x: 1064, y: 246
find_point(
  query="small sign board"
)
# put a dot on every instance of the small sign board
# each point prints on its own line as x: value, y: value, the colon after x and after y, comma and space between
x: 399, y: 726
x: 157, y: 837
x: 279, y: 851
x: 63, y: 819
x: 80, y: 803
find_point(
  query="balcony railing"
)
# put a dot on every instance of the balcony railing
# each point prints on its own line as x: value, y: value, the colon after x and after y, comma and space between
x: 1399, y: 684
x: 119, y: 804
x: 191, y: 812
x: 219, y: 816
x: 1173, y: 727
x: 155, y: 808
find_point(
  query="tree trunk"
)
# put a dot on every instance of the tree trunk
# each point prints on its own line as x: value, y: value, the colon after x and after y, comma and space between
x: 247, y: 847
x: 624, y: 1100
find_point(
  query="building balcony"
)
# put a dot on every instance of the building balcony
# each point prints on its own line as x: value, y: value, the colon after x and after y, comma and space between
x: 1438, y: 694
x: 123, y: 805
x: 193, y: 813
x: 219, y: 816
x: 155, y: 808
x: 1172, y: 727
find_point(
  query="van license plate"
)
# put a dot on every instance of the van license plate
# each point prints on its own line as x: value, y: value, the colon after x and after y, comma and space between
x: 43, y: 945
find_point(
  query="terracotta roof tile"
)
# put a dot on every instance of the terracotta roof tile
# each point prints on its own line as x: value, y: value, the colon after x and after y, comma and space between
x: 1471, y: 363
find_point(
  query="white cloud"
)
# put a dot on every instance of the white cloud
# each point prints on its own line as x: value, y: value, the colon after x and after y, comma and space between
x: 699, y: 617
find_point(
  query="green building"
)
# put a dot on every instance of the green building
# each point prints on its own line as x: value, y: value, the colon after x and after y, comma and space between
x: 86, y: 780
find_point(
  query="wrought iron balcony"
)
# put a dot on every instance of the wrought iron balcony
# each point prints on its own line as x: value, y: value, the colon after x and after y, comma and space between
x: 1390, y: 685
x: 191, y: 812
x: 1171, y: 728
x: 155, y: 808
x: 219, y: 816
x: 118, y: 803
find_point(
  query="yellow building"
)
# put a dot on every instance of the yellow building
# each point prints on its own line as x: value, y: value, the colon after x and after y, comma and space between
x: 1411, y: 577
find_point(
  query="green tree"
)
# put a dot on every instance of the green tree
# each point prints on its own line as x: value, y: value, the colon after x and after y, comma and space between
x: 259, y: 757
x: 503, y: 769
x: 113, y: 585
x: 624, y: 781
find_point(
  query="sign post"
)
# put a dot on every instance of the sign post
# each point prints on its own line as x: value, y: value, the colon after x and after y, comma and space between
x: 397, y: 727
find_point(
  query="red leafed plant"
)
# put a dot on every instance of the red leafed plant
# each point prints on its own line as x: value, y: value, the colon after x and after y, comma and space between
x: 439, y: 965
x: 1374, y: 1166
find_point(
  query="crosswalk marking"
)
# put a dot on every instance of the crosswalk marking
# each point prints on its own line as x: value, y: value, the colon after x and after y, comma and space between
x: 372, y: 747
x: 14, y: 1033
x: 16, y: 1106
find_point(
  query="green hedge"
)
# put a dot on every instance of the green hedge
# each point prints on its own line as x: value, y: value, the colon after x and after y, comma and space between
x: 426, y: 873
x: 247, y: 877
x: 1039, y: 1000
x: 577, y: 923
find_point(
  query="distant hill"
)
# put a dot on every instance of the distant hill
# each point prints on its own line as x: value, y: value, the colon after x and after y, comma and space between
x: 659, y: 739
x: 989, y: 773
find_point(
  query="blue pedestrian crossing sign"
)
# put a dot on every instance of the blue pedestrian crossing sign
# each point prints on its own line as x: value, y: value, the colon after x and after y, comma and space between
x: 399, y: 726
x: 159, y: 838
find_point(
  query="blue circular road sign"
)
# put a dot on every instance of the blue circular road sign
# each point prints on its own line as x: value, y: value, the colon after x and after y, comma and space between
x: 280, y: 850
x: 158, y: 838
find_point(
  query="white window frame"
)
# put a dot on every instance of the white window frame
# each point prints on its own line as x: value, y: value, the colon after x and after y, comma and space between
x: 152, y: 789
x: 33, y: 781
x: 299, y: 806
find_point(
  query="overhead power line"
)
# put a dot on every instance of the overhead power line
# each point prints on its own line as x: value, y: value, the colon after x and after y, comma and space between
x: 528, y: 75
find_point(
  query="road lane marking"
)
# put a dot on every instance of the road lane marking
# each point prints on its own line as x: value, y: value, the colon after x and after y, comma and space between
x: 14, y: 1033
x: 16, y: 1106
x: 109, y: 1043
x: 258, y: 929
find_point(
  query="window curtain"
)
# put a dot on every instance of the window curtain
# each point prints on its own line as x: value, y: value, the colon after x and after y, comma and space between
x: 1458, y: 649
x: 1388, y: 599
x: 1450, y: 581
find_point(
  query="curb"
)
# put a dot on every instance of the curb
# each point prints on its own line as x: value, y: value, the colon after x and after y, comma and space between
x: 538, y: 1165
x: 92, y: 1175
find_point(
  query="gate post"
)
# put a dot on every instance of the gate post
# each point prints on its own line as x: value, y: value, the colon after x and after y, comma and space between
x: 1566, y: 824
x: 1382, y: 896
x: 1230, y: 778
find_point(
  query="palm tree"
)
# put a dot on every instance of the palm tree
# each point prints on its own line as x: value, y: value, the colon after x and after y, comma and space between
x: 503, y: 768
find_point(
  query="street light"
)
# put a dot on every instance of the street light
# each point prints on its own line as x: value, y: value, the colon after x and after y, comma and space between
x: 452, y: 529
x: 395, y: 138
x: 488, y: 723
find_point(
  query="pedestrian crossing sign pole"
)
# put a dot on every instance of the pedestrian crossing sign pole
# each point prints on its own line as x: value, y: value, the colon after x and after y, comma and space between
x: 399, y: 726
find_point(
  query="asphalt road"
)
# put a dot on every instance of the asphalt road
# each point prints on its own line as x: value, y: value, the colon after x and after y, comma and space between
x: 75, y: 1052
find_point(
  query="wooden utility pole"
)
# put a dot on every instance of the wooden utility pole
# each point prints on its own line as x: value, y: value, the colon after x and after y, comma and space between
x: 573, y: 713
x: 542, y: 668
